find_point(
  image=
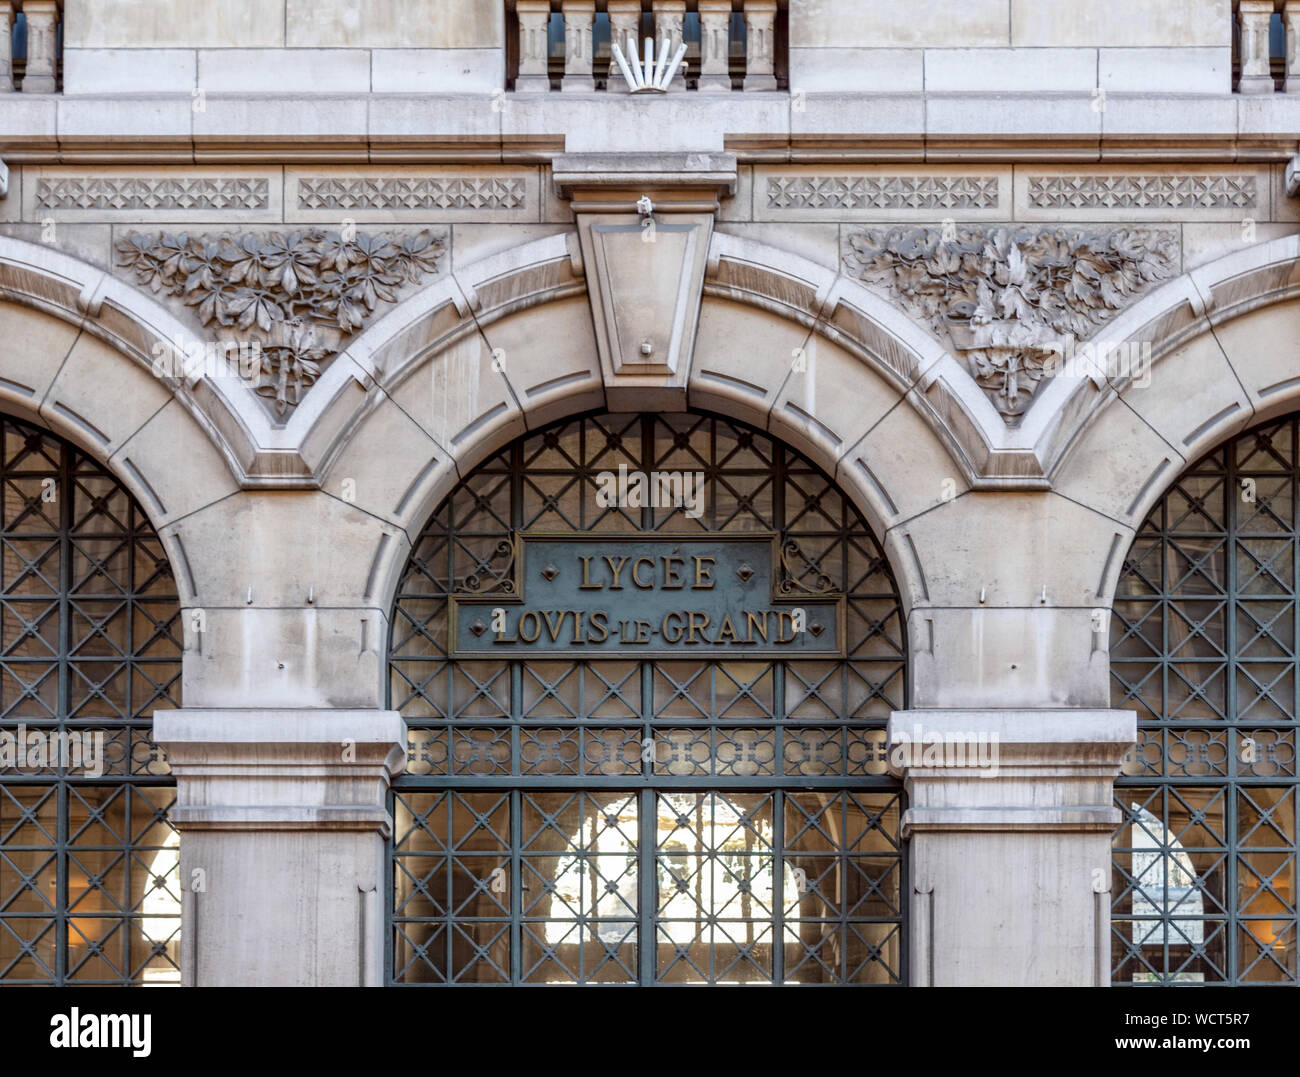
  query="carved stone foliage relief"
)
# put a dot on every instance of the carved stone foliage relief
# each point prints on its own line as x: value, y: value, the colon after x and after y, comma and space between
x: 297, y: 296
x: 1012, y: 300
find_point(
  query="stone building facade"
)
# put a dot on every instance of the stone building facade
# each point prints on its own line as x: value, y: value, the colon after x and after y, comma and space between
x: 960, y: 338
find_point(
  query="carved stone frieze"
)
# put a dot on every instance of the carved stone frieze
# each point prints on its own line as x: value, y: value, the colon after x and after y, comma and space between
x: 1142, y: 192
x: 152, y: 192
x: 1012, y: 300
x: 417, y: 192
x: 886, y: 192
x: 297, y: 296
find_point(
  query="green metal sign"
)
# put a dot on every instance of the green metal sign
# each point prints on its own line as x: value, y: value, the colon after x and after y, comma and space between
x: 650, y: 596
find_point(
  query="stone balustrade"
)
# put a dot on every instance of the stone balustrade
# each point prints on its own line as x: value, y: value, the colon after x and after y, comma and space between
x: 1252, y: 25
x: 29, y: 45
x: 730, y: 44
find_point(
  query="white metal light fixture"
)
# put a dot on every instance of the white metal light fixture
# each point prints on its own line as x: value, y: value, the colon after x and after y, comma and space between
x: 652, y: 74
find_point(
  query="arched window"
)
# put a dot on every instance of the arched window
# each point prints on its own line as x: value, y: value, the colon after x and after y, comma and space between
x: 1203, y: 646
x: 89, y: 619
x: 573, y: 819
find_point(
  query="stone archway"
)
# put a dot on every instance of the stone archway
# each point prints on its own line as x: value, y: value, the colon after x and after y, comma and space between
x: 509, y: 344
x: 1223, y: 357
x: 737, y: 767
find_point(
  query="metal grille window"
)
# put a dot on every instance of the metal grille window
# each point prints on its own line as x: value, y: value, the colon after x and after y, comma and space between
x: 1203, y: 645
x: 622, y: 821
x: 89, y: 619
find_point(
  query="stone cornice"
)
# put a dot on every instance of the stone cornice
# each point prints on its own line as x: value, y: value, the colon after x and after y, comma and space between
x: 759, y: 127
x: 613, y: 181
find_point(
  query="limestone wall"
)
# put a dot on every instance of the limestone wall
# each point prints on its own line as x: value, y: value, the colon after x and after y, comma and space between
x: 1161, y: 46
x: 247, y: 46
x: 394, y: 46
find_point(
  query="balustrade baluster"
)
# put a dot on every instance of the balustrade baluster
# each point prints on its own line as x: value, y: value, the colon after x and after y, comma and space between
x: 760, y: 45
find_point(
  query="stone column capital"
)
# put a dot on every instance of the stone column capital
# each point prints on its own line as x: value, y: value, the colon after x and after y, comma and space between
x: 1030, y: 815
x: 284, y: 769
x: 998, y: 770
x: 283, y: 815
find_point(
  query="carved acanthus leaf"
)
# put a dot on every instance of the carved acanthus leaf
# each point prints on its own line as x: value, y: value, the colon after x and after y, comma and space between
x: 298, y: 296
x: 1011, y: 299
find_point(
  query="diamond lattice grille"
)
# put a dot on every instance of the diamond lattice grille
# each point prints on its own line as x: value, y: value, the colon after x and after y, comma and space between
x: 91, y: 638
x: 620, y: 821
x: 1203, y: 646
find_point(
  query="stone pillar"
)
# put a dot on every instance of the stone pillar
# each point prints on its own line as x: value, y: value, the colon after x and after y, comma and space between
x: 283, y: 816
x: 715, y: 40
x: 669, y: 15
x: 1009, y: 820
x: 6, y: 47
x: 624, y: 22
x: 534, y: 15
x: 42, y: 45
x: 579, y: 17
x: 760, y: 45
x: 1253, y: 17
x: 1291, y: 35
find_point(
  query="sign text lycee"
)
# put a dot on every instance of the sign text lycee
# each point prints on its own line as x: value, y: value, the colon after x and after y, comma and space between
x: 646, y: 596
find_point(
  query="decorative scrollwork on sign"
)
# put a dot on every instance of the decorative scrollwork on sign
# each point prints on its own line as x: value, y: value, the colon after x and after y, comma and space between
x: 1012, y: 299
x: 297, y: 296
x: 800, y: 574
x: 492, y: 575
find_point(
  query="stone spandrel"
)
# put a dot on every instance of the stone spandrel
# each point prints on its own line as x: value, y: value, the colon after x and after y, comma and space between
x: 1013, y: 301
